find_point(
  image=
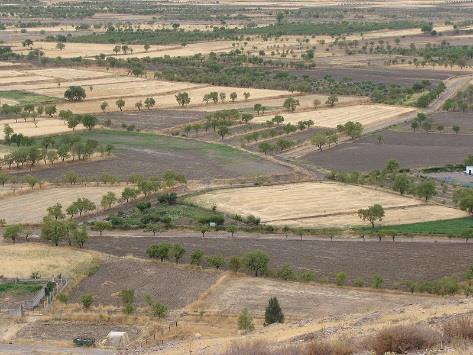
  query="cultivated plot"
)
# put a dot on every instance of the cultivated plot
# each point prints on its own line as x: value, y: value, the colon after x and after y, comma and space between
x: 21, y: 260
x: 40, y: 127
x: 367, y: 115
x: 12, y: 208
x: 319, y: 204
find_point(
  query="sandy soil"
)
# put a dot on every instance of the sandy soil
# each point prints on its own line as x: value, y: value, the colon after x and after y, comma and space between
x: 319, y: 204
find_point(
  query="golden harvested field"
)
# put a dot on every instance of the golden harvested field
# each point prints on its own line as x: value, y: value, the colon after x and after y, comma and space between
x: 90, y: 50
x: 306, y: 102
x: 44, y: 127
x: 132, y: 87
x: 10, y: 73
x: 69, y: 73
x: 12, y: 208
x: 320, y: 204
x: 22, y: 79
x: 21, y: 260
x: 169, y: 100
x: 86, y: 83
x: 367, y: 115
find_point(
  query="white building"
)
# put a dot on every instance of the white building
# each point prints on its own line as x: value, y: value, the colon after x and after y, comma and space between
x: 469, y: 170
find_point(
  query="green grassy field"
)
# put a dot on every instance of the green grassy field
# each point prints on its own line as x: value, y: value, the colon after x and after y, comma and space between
x: 20, y: 287
x: 454, y: 227
x: 23, y: 97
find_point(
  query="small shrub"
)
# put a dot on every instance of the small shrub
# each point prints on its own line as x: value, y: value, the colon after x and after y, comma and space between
x: 377, y: 282
x: 443, y: 286
x: 245, y: 322
x: 403, y: 338
x: 307, y: 276
x: 286, y: 273
x: 196, y: 257
x: 341, y: 278
x: 87, y: 300
x: 62, y: 297
x: 358, y: 282
x: 159, y: 310
x: 273, y: 313
x: 129, y: 308
x: 468, y: 290
x: 234, y: 263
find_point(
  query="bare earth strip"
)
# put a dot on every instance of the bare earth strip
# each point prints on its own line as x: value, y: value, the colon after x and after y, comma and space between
x: 367, y: 115
x: 320, y: 204
x: 12, y: 208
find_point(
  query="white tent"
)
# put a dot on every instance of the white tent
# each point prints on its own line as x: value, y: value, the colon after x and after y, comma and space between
x: 118, y: 339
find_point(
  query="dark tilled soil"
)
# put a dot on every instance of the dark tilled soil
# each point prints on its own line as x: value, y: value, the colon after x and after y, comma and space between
x: 68, y: 330
x: 395, y: 262
x: 385, y: 76
x: 175, y: 287
x: 152, y: 119
x: 412, y: 150
x: 448, y: 119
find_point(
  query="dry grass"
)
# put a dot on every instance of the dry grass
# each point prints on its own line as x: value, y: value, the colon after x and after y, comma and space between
x: 21, y: 260
x: 403, y: 338
x: 43, y: 127
x: 333, y: 347
x: 69, y: 73
x: 460, y: 327
x: 319, y: 204
x: 12, y: 208
x: 367, y: 115
x: 259, y: 347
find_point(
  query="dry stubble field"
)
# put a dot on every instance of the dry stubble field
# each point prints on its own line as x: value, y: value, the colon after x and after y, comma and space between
x: 320, y: 204
x: 12, y: 208
x: 21, y: 260
x: 43, y: 127
x: 368, y: 115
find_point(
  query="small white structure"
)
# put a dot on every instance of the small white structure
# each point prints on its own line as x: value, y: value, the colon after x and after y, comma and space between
x: 117, y: 339
x: 469, y: 170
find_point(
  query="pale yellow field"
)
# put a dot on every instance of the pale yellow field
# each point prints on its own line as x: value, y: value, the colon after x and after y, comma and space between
x: 319, y: 204
x: 69, y: 73
x: 138, y: 87
x: 12, y: 208
x: 10, y: 73
x: 169, y: 100
x: 367, y: 115
x: 23, y: 79
x: 64, y: 84
x: 306, y: 102
x: 21, y: 260
x: 90, y: 50
x: 44, y: 127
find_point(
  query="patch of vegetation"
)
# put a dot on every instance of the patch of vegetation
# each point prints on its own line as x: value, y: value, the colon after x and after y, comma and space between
x: 20, y: 287
x: 448, y: 227
x: 27, y: 98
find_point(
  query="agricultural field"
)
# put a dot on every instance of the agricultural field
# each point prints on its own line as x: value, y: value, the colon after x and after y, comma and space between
x: 319, y: 204
x: 39, y: 128
x: 150, y: 120
x: 12, y: 208
x: 150, y: 155
x: 146, y: 277
x: 326, y: 258
x: 370, y: 116
x: 412, y: 150
x: 21, y: 260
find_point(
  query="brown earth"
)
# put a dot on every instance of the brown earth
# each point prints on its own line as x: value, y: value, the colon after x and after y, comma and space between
x: 152, y: 119
x: 412, y: 150
x: 393, y: 261
x: 173, y: 286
